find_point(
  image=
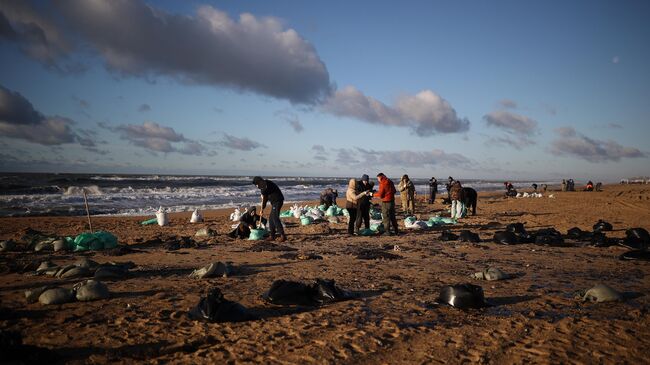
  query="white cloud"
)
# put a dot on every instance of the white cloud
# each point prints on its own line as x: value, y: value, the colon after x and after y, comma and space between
x: 426, y: 113
x: 575, y: 144
x: 511, y: 122
x: 242, y: 144
x: 247, y: 53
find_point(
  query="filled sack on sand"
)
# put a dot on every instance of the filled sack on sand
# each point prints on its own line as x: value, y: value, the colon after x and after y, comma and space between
x: 320, y: 292
x: 56, y: 296
x: 505, y: 238
x: 196, y: 217
x: 257, y: 234
x: 601, y: 293
x: 367, y: 232
x: 286, y: 214
x: 601, y: 225
x: 306, y: 220
x: 636, y: 238
x: 213, y: 270
x: 99, y: 240
x: 215, y: 308
x: 469, y: 236
x: 463, y: 296
x: 90, y: 290
x: 491, y: 274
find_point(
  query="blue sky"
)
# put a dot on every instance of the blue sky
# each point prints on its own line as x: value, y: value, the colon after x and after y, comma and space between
x: 500, y: 89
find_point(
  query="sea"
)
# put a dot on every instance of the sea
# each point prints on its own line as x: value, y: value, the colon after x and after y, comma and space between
x: 49, y: 194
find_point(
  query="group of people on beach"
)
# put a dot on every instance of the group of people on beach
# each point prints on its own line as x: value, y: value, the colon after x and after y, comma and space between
x: 358, y: 200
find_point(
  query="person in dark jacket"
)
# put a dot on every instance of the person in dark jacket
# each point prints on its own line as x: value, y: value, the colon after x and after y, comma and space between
x: 433, y: 190
x: 363, y: 203
x: 247, y: 221
x: 328, y: 197
x: 271, y: 193
x: 386, y: 193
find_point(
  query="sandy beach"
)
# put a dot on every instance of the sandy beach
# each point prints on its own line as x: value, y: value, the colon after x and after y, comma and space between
x: 534, y: 317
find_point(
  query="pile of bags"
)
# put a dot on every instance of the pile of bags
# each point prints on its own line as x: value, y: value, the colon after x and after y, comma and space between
x: 99, y: 240
x: 531, y: 195
x: 414, y: 223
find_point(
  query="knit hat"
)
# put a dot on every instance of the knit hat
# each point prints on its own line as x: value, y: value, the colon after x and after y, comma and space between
x: 365, y: 178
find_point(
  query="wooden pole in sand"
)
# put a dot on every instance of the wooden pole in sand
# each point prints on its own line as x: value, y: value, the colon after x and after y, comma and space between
x: 90, y: 224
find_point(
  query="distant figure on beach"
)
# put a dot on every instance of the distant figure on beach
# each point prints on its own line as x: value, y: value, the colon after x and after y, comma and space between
x: 433, y: 190
x: 450, y: 181
x: 510, y: 189
x: 570, y: 185
x: 271, y: 193
x: 352, y: 196
x: 544, y: 187
x: 407, y: 195
x: 599, y: 186
x: 247, y: 221
x: 386, y: 193
x: 363, y: 203
x: 564, y: 185
x: 534, y: 187
x: 589, y: 186
x: 328, y: 197
x: 456, y: 204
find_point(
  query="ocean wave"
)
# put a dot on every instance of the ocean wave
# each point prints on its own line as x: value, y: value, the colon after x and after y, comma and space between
x: 79, y: 190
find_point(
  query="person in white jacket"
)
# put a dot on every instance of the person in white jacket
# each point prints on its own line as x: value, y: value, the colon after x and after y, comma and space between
x: 351, y: 198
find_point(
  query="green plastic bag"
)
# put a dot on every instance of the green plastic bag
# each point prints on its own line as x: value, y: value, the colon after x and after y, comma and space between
x: 94, y: 241
x: 149, y: 221
x: 345, y: 212
x: 321, y: 207
x: 286, y: 214
x: 377, y: 227
x: 409, y: 221
x: 367, y: 232
x: 375, y: 214
x: 331, y: 211
x: 305, y: 220
x: 257, y: 234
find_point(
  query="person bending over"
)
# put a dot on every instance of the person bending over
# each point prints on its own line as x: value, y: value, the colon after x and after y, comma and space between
x: 328, y: 197
x: 247, y: 221
x: 271, y: 193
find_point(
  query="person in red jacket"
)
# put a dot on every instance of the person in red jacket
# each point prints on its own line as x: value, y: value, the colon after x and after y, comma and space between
x: 386, y: 193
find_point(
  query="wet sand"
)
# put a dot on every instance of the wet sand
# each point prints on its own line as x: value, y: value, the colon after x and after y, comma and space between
x: 535, y: 317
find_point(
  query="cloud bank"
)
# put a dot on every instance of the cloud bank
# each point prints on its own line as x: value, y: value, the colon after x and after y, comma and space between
x: 19, y: 119
x: 572, y: 143
x: 358, y: 157
x: 518, y: 128
x: 257, y: 54
x: 241, y: 144
x: 154, y: 137
x: 426, y: 113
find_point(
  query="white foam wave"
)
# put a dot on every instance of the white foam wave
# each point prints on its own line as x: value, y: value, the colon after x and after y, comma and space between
x: 78, y: 190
